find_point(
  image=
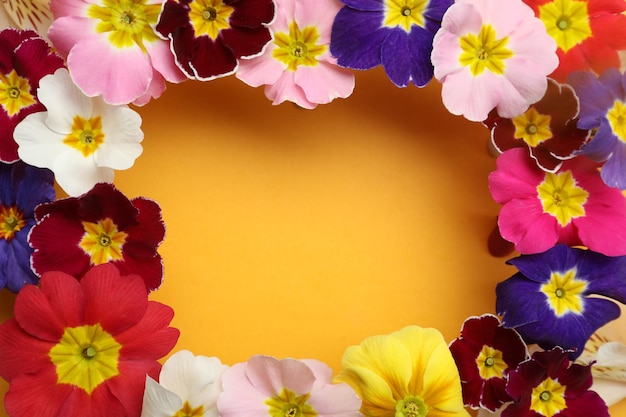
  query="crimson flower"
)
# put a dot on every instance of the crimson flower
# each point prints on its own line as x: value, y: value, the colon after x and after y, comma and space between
x: 208, y: 37
x: 83, y: 348
x: 101, y: 226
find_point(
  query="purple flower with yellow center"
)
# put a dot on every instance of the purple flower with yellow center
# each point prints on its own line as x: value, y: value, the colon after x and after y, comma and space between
x: 484, y: 353
x: 548, y: 385
x: 102, y: 226
x: 603, y: 108
x: 553, y: 299
x: 395, y: 33
x: 208, y: 37
x: 22, y: 188
x: 547, y: 129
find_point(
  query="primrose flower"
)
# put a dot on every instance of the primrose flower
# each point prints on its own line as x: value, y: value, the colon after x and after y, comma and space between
x: 492, y: 54
x: 26, y: 14
x: 297, y: 66
x: 572, y: 206
x: 588, y: 33
x: 603, y: 108
x: 24, y: 59
x: 551, y: 300
x: 266, y: 386
x: 547, y: 129
x: 83, y: 347
x: 396, y: 34
x: 22, y: 188
x: 112, y: 49
x: 102, y: 226
x: 409, y: 373
x: 484, y: 353
x: 81, y: 139
x: 548, y: 385
x: 608, y: 366
x: 209, y: 37
x: 188, y: 386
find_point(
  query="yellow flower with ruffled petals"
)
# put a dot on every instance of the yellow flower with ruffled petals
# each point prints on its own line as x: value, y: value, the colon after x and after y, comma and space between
x: 409, y: 373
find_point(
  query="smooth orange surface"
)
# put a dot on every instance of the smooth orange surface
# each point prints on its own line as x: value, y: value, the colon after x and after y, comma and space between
x: 298, y: 233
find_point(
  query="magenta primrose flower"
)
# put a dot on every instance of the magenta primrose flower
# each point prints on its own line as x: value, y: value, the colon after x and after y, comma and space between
x: 572, y: 206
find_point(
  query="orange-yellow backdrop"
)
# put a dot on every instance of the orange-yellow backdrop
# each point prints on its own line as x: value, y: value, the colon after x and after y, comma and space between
x: 298, y: 233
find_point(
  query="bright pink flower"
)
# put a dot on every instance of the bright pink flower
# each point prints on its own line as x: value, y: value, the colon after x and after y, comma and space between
x: 112, y: 49
x: 297, y: 65
x: 83, y: 348
x: 571, y: 206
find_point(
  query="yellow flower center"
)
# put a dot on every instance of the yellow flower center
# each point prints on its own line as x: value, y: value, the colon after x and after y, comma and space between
x: 561, y: 197
x: 209, y: 17
x: 617, y: 119
x: 288, y: 404
x: 411, y: 407
x: 298, y: 47
x: 86, y: 356
x: 532, y: 127
x: 490, y: 363
x: 102, y: 241
x: 548, y: 398
x: 567, y: 21
x: 14, y: 93
x: 128, y: 22
x: 564, y: 293
x: 86, y: 136
x: 11, y: 222
x: 404, y: 13
x: 187, y: 411
x: 484, y: 51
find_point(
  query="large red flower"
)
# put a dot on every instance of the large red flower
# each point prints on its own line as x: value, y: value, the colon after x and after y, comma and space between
x: 101, y: 226
x: 83, y: 348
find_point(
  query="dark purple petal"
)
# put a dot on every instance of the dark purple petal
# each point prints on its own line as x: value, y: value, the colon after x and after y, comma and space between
x: 357, y: 38
x: 595, y: 98
x: 33, y: 186
x: 538, y: 267
x: 520, y: 301
x: 613, y: 172
x: 601, y: 145
x: 396, y: 57
x: 17, y: 267
x: 365, y: 5
x: 421, y: 45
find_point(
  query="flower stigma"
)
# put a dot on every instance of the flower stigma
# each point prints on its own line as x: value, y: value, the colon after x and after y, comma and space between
x: 86, y: 136
x: 298, y: 47
x: 532, y: 127
x: 564, y: 292
x: 548, y: 398
x: 15, y: 93
x: 484, y: 51
x: 566, y: 21
x: 404, y: 13
x: 209, y: 17
x: 11, y: 222
x: 102, y: 241
x: 617, y: 119
x: 288, y: 404
x: 411, y: 407
x: 561, y: 197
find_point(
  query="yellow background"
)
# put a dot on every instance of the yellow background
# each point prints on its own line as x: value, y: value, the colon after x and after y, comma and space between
x: 297, y: 233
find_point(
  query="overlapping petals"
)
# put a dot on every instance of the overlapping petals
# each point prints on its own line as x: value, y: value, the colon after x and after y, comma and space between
x: 102, y: 226
x: 83, y: 348
x: 492, y: 54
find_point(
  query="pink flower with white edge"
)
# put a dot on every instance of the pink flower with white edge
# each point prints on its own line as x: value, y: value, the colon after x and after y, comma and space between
x: 572, y: 206
x: 266, y: 386
x: 112, y: 49
x: 492, y: 54
x: 297, y: 65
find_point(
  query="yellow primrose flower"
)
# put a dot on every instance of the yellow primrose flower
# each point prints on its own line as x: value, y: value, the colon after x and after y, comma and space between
x: 409, y: 373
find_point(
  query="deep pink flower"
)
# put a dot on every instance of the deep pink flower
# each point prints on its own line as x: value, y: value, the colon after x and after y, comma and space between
x: 101, y: 226
x: 572, y: 206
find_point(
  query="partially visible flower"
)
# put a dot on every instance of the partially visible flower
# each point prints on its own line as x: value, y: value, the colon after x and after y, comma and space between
x: 112, y: 49
x: 24, y: 59
x: 572, y: 206
x: 297, y: 66
x: 547, y: 129
x: 22, y: 188
x: 102, y: 226
x: 492, y: 54
x: 83, y: 348
x: 26, y: 14
x: 548, y: 385
x: 209, y: 37
x: 81, y: 139
x: 188, y: 386
x: 562, y: 296
x: 396, y: 34
x: 588, y: 33
x: 409, y: 373
x: 266, y: 386
x: 603, y: 108
x: 484, y: 353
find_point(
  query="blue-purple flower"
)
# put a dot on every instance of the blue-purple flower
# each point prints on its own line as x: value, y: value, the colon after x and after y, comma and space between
x: 395, y: 33
x: 22, y: 188
x: 603, y: 107
x: 551, y: 302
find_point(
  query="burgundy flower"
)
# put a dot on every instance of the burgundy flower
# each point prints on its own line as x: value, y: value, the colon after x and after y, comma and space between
x: 209, y: 36
x: 484, y: 354
x: 101, y: 226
